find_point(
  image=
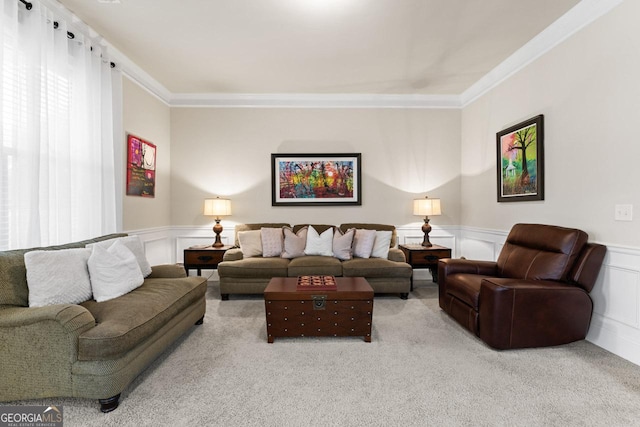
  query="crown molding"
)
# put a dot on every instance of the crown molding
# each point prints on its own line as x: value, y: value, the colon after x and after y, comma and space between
x: 275, y: 100
x: 138, y: 75
x: 578, y: 17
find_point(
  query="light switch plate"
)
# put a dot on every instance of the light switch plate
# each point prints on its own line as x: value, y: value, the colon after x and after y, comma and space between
x: 624, y: 213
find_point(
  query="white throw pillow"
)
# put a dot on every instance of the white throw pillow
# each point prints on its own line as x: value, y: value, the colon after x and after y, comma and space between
x: 319, y: 244
x: 250, y: 243
x: 381, y: 244
x: 58, y: 277
x: 363, y: 243
x: 294, y: 243
x: 271, y: 241
x: 135, y: 245
x: 342, y: 244
x: 114, y: 271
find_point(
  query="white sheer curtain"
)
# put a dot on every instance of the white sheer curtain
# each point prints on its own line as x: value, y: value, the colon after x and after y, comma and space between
x: 57, y: 178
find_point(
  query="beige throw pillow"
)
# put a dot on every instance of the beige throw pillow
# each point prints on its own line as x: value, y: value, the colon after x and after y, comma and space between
x: 342, y: 244
x: 381, y: 244
x: 363, y: 243
x: 114, y: 271
x: 294, y: 243
x: 272, y: 240
x: 58, y: 277
x: 319, y: 244
x: 134, y: 244
x: 250, y: 243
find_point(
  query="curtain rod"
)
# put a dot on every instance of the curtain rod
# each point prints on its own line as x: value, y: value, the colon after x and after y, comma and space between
x: 70, y: 35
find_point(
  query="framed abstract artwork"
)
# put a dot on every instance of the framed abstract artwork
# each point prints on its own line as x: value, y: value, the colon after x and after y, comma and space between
x: 316, y: 179
x: 520, y: 163
x: 141, y: 167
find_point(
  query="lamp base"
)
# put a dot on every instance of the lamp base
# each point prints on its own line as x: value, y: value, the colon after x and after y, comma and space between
x: 217, y: 229
x: 426, y: 228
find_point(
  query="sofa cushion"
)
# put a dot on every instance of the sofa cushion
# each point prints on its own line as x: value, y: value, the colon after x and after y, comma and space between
x: 134, y: 244
x: 114, y: 271
x: 250, y: 243
x: 256, y: 226
x: 294, y: 243
x: 13, y: 273
x: 465, y: 287
x: 319, y: 243
x: 272, y: 240
x: 381, y: 244
x: 363, y: 242
x: 124, y: 322
x: 343, y: 244
x: 58, y: 277
x: 254, y: 268
x: 315, y: 265
x: 377, y: 227
x: 375, y: 267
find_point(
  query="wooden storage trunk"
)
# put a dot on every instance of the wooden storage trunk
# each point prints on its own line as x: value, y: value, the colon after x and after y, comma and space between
x: 344, y: 312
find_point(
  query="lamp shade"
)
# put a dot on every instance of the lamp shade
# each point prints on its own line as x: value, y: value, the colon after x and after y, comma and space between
x: 426, y: 207
x: 217, y: 207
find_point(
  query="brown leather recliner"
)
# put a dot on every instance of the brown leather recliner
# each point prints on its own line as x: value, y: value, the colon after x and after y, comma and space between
x: 536, y: 294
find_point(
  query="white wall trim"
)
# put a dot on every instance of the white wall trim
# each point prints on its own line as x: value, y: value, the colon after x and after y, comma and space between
x: 277, y: 100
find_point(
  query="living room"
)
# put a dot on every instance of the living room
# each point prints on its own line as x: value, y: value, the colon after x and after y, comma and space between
x: 580, y: 72
x: 584, y: 86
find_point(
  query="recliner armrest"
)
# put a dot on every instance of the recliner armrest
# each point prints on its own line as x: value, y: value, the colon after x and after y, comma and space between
x: 518, y: 313
x: 449, y: 266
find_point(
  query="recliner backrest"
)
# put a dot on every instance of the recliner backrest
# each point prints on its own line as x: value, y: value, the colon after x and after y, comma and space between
x: 540, y: 252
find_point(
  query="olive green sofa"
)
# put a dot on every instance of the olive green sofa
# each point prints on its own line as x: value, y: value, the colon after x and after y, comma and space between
x: 240, y: 275
x: 90, y: 350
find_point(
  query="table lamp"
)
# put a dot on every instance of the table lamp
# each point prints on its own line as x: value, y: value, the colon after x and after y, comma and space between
x: 426, y: 207
x: 217, y: 207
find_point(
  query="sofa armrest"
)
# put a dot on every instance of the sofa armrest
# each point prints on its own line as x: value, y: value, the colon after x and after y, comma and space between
x: 166, y: 271
x: 39, y: 346
x: 396, y: 254
x: 69, y: 317
x: 517, y: 313
x: 233, y: 254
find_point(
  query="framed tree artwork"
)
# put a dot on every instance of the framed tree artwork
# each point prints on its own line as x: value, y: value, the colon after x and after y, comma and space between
x: 520, y: 163
x: 316, y: 179
x: 141, y: 167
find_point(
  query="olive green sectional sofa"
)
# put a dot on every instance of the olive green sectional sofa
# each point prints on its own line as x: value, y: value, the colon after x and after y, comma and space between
x: 250, y: 275
x: 89, y: 350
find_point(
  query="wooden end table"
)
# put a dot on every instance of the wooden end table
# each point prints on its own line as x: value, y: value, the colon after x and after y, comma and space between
x: 425, y: 257
x: 206, y: 258
x: 344, y: 312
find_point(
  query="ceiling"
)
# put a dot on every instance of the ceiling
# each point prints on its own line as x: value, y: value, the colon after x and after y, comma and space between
x: 318, y: 46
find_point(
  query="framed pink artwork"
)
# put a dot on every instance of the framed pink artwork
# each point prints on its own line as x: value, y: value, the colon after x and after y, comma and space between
x: 141, y: 167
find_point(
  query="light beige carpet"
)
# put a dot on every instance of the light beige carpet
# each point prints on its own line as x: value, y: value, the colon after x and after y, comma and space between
x: 421, y: 369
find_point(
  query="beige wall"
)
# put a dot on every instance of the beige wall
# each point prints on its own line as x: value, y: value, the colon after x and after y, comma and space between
x: 588, y: 90
x: 150, y: 119
x: 405, y: 154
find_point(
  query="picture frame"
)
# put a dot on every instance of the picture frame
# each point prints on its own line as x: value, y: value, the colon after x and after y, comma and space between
x: 141, y: 167
x: 520, y: 161
x: 316, y: 179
